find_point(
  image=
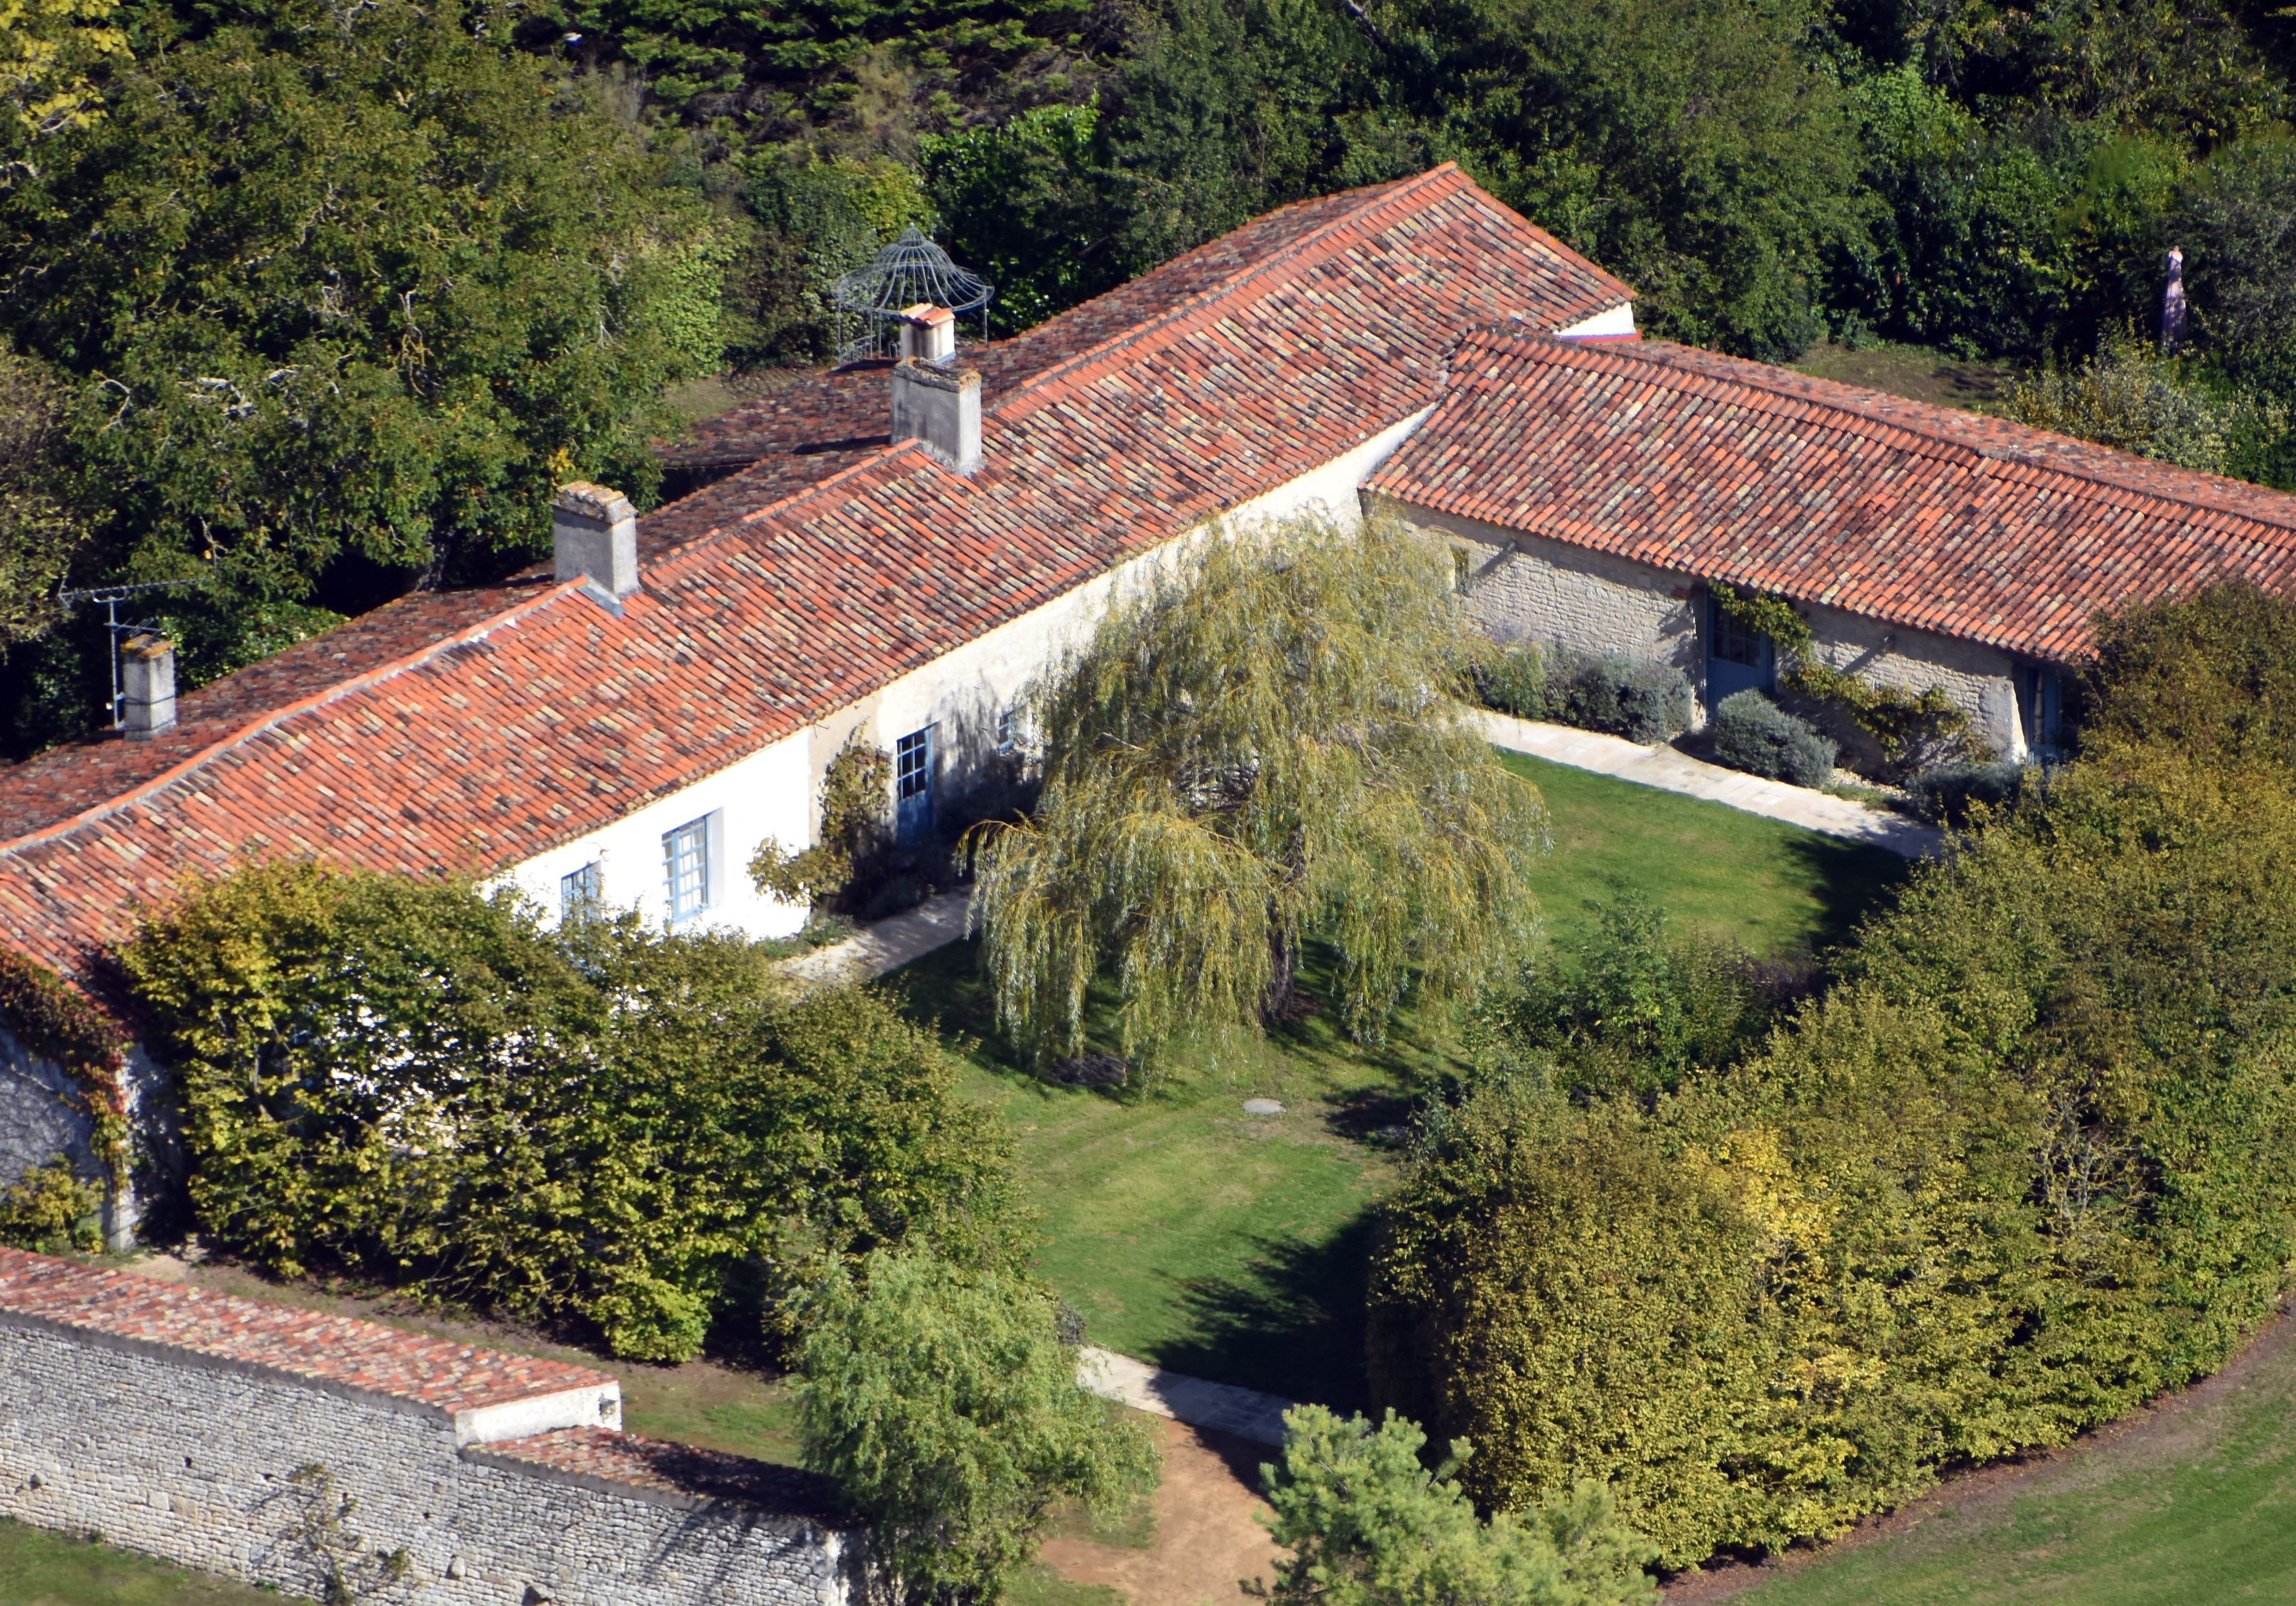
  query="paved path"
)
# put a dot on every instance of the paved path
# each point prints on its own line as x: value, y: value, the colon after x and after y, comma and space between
x: 1245, y: 1413
x: 1672, y: 771
x: 888, y: 944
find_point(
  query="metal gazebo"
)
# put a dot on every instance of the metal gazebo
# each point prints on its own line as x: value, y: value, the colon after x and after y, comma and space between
x: 910, y: 270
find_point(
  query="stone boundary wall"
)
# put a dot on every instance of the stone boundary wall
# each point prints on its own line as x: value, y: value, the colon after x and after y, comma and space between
x: 179, y: 1428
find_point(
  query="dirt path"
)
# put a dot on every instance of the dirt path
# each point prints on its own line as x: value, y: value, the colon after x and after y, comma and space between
x: 1206, y: 1537
x: 2175, y: 1427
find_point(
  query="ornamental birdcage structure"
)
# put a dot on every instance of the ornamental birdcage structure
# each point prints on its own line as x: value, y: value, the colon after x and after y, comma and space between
x: 869, y: 300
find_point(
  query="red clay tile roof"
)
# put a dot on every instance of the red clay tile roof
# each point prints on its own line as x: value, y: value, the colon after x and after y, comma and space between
x: 601, y: 1457
x: 366, y: 1355
x: 1920, y: 516
x: 473, y: 731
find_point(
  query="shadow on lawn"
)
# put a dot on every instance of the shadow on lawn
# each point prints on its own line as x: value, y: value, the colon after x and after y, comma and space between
x: 1292, y: 1325
x: 1849, y: 879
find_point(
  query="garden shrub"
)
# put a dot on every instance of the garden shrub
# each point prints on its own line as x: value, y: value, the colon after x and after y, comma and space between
x: 414, y: 1082
x: 1513, y: 680
x: 2025, y: 1166
x: 51, y: 1209
x: 1945, y: 794
x: 1367, y: 1524
x: 1632, y: 1008
x: 1754, y: 734
x: 1642, y: 699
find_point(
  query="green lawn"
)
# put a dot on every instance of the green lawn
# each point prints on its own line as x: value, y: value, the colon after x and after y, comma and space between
x: 1233, y: 1247
x: 2201, y: 1507
x: 42, y: 1568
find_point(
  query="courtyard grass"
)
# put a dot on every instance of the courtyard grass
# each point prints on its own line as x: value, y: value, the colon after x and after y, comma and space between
x: 1234, y: 1247
x: 38, y: 1568
x: 2197, y: 1505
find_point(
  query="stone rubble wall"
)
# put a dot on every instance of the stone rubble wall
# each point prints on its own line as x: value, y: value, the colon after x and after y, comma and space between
x: 191, y: 1459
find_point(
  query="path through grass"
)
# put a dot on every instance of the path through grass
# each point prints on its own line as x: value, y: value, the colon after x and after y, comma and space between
x: 1233, y: 1247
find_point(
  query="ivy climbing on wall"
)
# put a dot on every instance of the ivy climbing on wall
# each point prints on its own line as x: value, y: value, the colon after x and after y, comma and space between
x: 55, y: 1021
x: 1912, y: 731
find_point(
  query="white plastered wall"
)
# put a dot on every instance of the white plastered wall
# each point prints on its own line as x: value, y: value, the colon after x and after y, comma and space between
x: 774, y: 793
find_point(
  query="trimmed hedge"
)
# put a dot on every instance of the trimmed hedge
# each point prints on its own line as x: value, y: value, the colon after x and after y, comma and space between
x: 1754, y: 734
x: 1641, y: 699
x: 2031, y: 1160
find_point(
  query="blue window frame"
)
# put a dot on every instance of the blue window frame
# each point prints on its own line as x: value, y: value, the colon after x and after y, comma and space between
x: 581, y: 891
x: 685, y: 861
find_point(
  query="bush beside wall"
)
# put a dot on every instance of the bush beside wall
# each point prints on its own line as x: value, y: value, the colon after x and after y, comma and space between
x: 1945, y: 795
x: 1754, y: 734
x: 1641, y: 699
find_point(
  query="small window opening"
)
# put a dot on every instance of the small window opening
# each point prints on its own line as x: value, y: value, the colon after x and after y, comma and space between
x: 685, y: 859
x: 581, y: 891
x: 912, y: 765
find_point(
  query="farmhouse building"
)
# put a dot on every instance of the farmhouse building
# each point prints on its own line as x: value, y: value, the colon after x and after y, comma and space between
x: 1595, y: 491
x: 888, y: 553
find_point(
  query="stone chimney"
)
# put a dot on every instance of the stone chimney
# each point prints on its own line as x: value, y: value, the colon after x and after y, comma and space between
x: 941, y: 407
x: 147, y: 674
x: 928, y: 333
x: 593, y: 536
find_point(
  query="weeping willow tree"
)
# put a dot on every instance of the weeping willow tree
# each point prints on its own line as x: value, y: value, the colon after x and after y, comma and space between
x: 1259, y: 749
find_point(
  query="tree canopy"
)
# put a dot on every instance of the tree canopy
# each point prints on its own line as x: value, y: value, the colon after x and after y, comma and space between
x: 946, y: 1404
x: 1259, y: 749
x: 339, y: 296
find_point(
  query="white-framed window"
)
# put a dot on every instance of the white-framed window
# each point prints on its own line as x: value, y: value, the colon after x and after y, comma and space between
x: 912, y: 765
x: 685, y: 862
x: 581, y: 892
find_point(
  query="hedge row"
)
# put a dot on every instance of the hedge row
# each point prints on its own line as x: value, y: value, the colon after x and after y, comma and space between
x: 417, y: 1084
x: 2030, y: 1160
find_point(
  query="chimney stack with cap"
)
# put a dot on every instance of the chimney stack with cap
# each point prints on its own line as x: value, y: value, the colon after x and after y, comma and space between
x: 928, y: 333
x: 934, y: 401
x: 147, y: 673
x: 594, y: 535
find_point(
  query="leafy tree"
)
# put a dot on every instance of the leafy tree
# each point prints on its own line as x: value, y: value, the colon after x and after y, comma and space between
x: 2130, y: 397
x: 419, y: 1083
x: 850, y: 848
x: 2024, y: 1166
x: 945, y: 1404
x: 1368, y: 1525
x: 1259, y: 749
x: 2212, y: 674
x: 341, y: 297
x: 49, y: 51
x: 40, y: 535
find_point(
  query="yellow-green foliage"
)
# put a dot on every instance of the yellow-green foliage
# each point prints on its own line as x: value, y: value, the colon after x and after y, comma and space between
x: 1260, y: 748
x: 51, y: 1209
x: 414, y: 1082
x: 2030, y: 1160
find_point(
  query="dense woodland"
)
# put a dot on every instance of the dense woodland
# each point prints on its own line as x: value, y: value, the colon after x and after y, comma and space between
x: 311, y: 301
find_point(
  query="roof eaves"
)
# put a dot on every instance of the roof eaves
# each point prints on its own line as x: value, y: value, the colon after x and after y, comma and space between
x: 272, y: 718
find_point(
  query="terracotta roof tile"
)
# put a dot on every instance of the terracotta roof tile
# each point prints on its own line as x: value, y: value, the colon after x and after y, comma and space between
x: 366, y: 1355
x: 474, y: 730
x: 1713, y: 467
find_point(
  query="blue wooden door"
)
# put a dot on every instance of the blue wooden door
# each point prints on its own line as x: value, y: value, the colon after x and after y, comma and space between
x: 1737, y: 660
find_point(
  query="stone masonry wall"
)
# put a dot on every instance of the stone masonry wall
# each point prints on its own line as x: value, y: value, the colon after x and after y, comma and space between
x: 1530, y: 589
x: 190, y: 1457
